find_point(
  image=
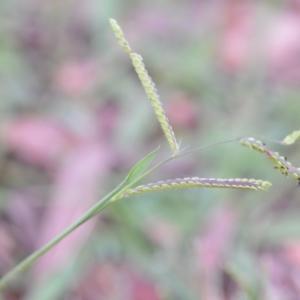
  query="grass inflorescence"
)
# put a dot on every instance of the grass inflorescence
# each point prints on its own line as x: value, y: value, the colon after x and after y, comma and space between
x: 279, y: 161
x: 149, y: 87
x: 196, y: 182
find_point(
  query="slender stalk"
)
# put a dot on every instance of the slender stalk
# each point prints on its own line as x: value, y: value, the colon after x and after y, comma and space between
x: 208, y: 146
x: 119, y: 194
x: 94, y: 210
x: 37, y: 254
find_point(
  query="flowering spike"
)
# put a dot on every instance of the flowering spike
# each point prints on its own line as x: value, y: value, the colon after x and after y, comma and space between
x: 291, y: 138
x: 196, y: 182
x: 153, y: 96
x: 279, y: 161
x: 149, y: 87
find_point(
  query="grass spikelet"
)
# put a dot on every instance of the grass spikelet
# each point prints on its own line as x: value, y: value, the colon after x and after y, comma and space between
x: 149, y: 87
x: 119, y: 35
x: 196, y: 182
x: 253, y: 144
x: 291, y: 138
x: 279, y: 161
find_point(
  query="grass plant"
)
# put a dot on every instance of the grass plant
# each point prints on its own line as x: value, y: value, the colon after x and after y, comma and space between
x: 129, y: 188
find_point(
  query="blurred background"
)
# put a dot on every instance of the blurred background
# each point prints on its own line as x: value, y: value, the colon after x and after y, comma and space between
x: 74, y: 119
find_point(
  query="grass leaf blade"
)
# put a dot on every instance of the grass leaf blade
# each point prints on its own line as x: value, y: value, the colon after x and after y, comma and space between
x: 140, y: 167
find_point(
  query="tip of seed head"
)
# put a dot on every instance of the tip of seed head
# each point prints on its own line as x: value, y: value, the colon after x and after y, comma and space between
x: 266, y: 184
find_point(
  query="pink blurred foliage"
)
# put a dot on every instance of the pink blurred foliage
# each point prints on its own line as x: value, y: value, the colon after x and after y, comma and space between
x: 107, y: 118
x: 142, y: 290
x: 23, y: 211
x: 284, y: 47
x: 295, y: 5
x: 19, y: 227
x: 151, y: 21
x: 76, y: 188
x: 181, y: 111
x: 108, y: 281
x: 292, y: 253
x: 280, y: 45
x: 76, y: 77
x: 283, y: 276
x: 34, y: 34
x: 238, y: 26
x: 36, y: 140
x: 162, y: 232
x: 211, y: 249
x: 212, y: 246
x: 101, y: 283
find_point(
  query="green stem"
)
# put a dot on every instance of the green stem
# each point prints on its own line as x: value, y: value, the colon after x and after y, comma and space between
x: 118, y: 194
x: 94, y: 210
x: 36, y: 255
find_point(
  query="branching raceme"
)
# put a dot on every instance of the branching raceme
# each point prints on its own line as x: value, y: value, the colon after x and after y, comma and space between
x: 139, y: 171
